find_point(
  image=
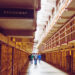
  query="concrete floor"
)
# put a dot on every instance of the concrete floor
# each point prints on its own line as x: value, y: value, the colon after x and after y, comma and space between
x: 43, y: 68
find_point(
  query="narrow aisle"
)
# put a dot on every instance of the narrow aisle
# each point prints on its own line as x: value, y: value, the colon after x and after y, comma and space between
x: 43, y: 68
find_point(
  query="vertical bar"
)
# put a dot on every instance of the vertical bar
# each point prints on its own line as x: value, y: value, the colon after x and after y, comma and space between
x: 71, y: 30
x: 0, y: 58
x: 59, y: 38
x: 72, y: 61
x: 66, y: 40
x: 12, y: 59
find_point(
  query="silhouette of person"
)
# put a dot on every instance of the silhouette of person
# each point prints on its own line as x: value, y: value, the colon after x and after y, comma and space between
x: 30, y: 58
x: 39, y: 57
x: 35, y: 58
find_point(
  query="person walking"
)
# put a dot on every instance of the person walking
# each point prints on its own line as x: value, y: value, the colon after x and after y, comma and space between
x: 35, y: 58
x: 39, y: 57
x: 30, y: 58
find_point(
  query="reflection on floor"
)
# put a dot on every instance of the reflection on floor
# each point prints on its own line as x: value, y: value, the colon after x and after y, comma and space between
x: 42, y: 68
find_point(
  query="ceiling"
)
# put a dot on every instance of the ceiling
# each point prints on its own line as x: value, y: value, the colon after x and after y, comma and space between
x: 18, y: 19
x: 25, y: 24
x: 17, y: 4
x: 18, y: 14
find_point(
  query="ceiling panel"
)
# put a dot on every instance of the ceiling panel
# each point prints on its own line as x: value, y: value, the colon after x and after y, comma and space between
x: 17, y: 3
x: 16, y: 24
x: 62, y: 20
x: 68, y: 13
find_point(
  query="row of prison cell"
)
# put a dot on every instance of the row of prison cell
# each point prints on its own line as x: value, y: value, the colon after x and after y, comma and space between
x: 60, y: 47
x: 64, y: 35
x: 63, y: 59
x: 12, y: 60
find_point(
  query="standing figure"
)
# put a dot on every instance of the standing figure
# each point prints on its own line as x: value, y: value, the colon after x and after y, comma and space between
x: 39, y: 57
x: 30, y: 58
x: 35, y: 58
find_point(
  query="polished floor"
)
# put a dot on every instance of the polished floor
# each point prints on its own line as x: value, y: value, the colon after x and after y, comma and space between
x: 42, y: 68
